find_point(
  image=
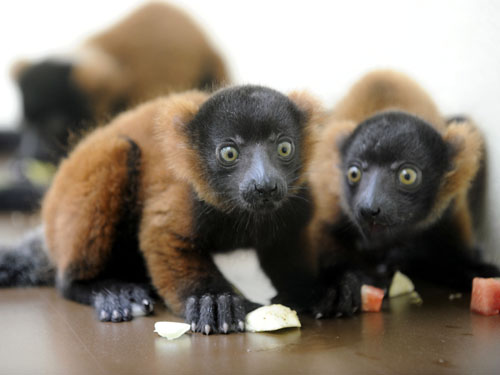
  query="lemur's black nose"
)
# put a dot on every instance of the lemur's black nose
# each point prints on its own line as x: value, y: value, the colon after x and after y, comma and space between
x: 266, y: 190
x: 369, y: 213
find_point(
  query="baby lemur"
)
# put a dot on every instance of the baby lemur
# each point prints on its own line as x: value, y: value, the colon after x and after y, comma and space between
x: 395, y: 186
x: 149, y: 197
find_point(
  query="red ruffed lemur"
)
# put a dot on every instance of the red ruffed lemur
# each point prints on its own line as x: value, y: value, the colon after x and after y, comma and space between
x: 148, y: 198
x: 395, y: 187
x: 155, y: 50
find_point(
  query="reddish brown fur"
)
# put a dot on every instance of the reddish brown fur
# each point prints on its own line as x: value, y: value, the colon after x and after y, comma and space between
x: 387, y: 90
x: 156, y: 50
x: 469, y: 153
x: 325, y: 181
x: 182, y: 159
x: 165, y: 52
x: 376, y: 92
x: 68, y: 206
x: 80, y: 209
x: 83, y: 203
x: 315, y: 118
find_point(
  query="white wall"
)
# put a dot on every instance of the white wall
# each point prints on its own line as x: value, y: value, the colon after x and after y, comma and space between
x: 452, y: 47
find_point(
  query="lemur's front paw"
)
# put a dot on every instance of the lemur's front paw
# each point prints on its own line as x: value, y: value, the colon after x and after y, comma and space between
x: 217, y: 313
x: 340, y: 299
x: 122, y: 303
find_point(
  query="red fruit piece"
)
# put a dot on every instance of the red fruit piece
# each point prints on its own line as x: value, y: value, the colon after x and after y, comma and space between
x: 485, y: 299
x: 371, y: 298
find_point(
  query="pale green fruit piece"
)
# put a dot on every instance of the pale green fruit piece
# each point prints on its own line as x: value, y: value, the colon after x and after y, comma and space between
x: 171, y: 330
x: 271, y: 318
x: 400, y: 285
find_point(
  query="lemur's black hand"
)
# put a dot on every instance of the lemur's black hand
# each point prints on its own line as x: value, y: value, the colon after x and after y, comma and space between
x: 342, y: 298
x: 217, y: 313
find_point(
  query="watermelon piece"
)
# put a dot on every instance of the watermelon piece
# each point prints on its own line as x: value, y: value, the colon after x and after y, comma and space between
x: 485, y: 299
x: 371, y: 298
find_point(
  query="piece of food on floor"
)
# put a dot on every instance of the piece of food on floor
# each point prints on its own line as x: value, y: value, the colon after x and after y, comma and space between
x: 371, y: 298
x: 485, y: 299
x: 171, y: 330
x: 271, y: 318
x: 454, y: 296
x: 400, y: 285
x: 415, y: 298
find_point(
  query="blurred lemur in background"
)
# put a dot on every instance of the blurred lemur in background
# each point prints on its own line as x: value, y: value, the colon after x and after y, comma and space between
x: 155, y: 50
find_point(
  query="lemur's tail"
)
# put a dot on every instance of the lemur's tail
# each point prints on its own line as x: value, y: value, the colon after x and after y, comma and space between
x: 27, y: 263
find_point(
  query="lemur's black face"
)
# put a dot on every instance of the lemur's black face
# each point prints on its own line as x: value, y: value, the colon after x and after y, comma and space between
x: 53, y: 104
x: 393, y: 165
x: 250, y: 140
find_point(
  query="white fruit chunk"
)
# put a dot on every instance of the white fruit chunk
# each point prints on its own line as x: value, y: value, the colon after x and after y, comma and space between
x: 271, y: 318
x: 171, y: 330
x: 400, y: 285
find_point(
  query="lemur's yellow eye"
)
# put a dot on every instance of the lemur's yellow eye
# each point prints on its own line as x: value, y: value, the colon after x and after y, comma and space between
x: 354, y: 174
x: 408, y: 176
x: 228, y: 154
x: 285, y: 149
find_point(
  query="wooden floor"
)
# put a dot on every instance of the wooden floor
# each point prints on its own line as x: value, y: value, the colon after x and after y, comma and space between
x: 41, y: 333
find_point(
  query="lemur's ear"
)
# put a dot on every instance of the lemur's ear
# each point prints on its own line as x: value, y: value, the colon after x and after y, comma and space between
x: 181, y: 156
x: 466, y: 148
x: 308, y: 105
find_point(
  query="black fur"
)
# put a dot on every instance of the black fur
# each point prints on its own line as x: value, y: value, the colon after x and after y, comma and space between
x: 121, y: 301
x: 222, y: 313
x: 113, y: 300
x: 382, y: 228
x: 253, y: 120
x: 21, y: 197
x: 381, y: 147
x: 9, y: 140
x: 439, y: 256
x: 258, y: 209
x: 26, y: 264
x: 53, y: 105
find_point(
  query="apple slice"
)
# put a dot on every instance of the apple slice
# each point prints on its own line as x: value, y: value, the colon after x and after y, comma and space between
x: 371, y: 298
x: 271, y: 318
x: 400, y: 285
x: 485, y: 299
x: 171, y: 330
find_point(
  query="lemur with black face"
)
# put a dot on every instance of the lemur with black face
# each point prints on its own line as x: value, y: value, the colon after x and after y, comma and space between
x: 149, y: 197
x: 395, y: 186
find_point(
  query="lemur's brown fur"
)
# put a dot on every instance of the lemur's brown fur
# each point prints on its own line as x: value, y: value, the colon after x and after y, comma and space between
x: 387, y: 90
x: 377, y: 92
x: 81, y: 209
x: 156, y: 50
x: 165, y: 51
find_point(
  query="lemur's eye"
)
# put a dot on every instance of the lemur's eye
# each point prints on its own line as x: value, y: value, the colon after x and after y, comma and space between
x: 285, y: 149
x: 354, y: 174
x: 408, y: 176
x: 228, y: 154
